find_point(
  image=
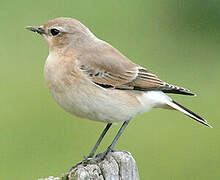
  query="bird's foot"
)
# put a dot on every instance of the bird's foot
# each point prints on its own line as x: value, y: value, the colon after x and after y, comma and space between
x: 101, y: 156
x: 87, y: 160
x: 91, y: 160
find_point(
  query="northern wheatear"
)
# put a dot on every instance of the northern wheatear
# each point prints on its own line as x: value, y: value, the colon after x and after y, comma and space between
x: 91, y: 79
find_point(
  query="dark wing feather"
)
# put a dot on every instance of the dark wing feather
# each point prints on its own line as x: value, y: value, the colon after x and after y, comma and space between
x: 154, y: 83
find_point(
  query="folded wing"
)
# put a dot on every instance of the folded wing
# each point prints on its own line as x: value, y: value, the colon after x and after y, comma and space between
x: 120, y: 73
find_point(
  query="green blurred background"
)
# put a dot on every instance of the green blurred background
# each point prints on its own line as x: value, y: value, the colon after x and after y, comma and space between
x: 178, y: 40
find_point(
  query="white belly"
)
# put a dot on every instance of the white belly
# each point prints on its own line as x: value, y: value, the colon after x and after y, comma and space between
x: 96, y: 103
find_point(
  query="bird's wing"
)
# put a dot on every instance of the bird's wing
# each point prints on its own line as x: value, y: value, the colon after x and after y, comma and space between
x: 115, y: 71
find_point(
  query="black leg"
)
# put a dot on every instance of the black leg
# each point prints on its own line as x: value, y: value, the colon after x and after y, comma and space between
x: 91, y: 154
x: 111, y: 147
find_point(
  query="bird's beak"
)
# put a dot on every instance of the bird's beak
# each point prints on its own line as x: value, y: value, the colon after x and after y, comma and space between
x: 37, y: 29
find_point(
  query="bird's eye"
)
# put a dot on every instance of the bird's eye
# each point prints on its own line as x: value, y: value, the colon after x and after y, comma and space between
x: 54, y: 32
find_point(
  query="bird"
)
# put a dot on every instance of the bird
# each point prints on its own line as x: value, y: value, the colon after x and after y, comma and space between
x: 91, y: 79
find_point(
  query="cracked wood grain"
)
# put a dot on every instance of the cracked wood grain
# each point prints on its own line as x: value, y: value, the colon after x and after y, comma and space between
x: 117, y: 165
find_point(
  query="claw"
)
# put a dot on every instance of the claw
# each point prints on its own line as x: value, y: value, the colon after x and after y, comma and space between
x: 102, y: 156
x: 85, y: 161
x: 90, y: 160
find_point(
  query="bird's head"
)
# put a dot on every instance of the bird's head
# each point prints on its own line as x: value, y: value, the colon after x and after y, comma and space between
x: 63, y: 32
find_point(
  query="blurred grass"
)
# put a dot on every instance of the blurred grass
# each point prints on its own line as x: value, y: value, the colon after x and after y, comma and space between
x: 178, y: 40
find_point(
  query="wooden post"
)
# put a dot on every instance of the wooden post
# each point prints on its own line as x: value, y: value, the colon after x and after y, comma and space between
x: 118, y: 165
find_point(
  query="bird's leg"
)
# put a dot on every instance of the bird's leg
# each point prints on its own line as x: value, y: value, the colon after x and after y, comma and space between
x: 111, y: 147
x: 91, y: 154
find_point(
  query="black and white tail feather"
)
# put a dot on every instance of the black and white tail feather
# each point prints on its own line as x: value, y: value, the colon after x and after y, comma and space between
x: 162, y: 100
x: 187, y: 112
x: 174, y: 105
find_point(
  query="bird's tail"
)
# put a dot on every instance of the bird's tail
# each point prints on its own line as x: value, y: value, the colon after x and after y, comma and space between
x: 187, y: 112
